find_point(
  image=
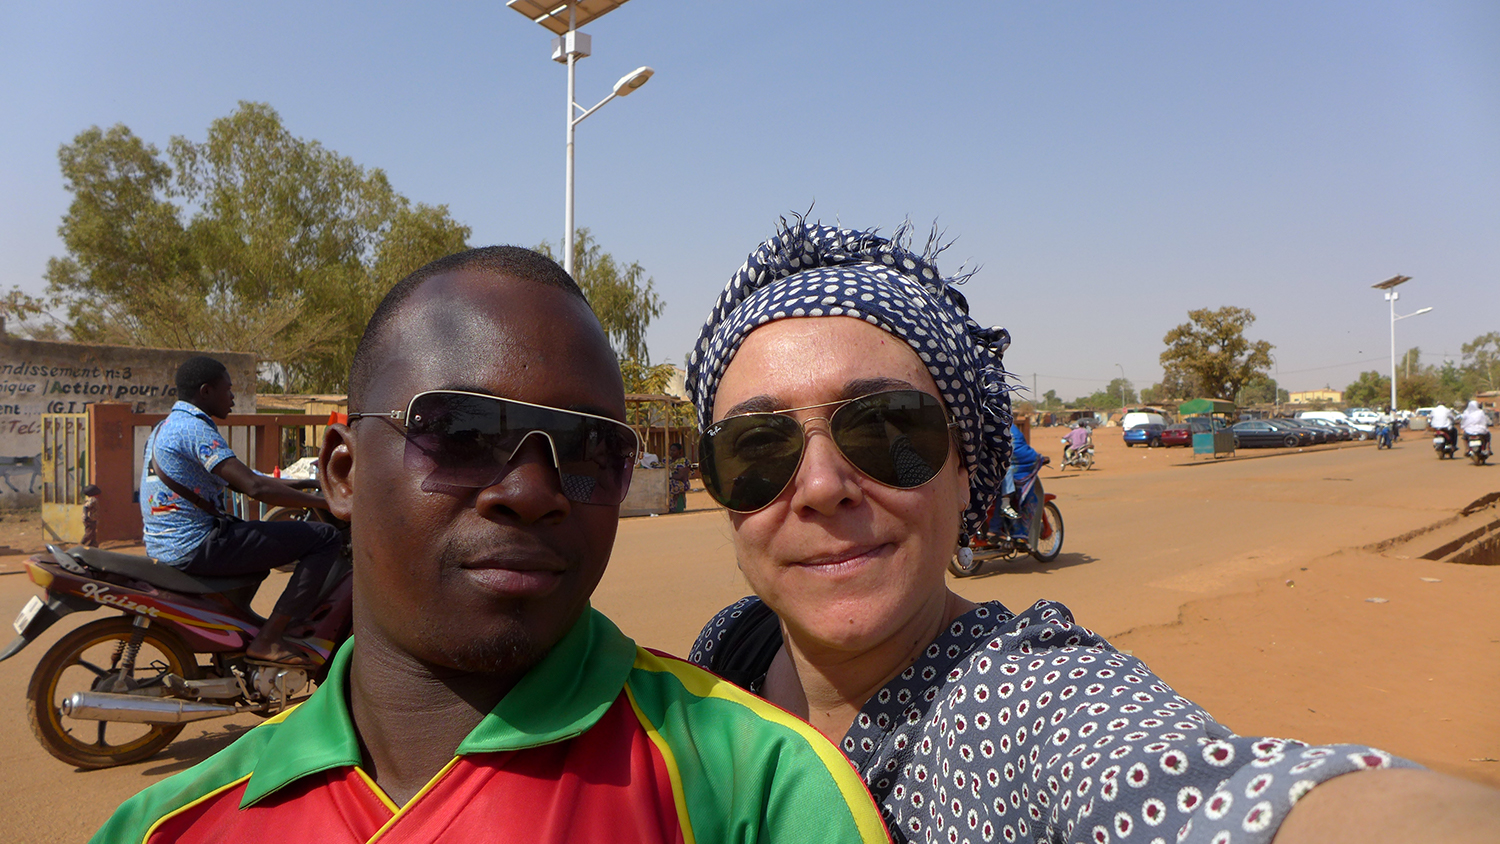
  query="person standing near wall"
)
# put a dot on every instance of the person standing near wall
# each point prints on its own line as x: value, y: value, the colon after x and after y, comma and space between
x: 677, y: 478
x: 90, y: 516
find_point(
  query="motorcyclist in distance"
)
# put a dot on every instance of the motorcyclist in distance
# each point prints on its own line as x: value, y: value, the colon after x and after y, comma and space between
x: 1077, y: 439
x: 1476, y: 423
x: 1442, y: 422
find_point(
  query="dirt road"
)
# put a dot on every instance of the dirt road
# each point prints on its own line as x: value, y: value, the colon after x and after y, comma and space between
x: 1240, y: 582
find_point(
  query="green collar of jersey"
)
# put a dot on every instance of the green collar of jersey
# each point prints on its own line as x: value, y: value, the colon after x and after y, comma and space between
x: 563, y: 696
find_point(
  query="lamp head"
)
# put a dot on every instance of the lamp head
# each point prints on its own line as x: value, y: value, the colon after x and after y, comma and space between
x: 632, y: 80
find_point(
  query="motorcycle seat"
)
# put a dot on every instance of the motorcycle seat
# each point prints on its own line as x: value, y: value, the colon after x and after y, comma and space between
x: 160, y: 575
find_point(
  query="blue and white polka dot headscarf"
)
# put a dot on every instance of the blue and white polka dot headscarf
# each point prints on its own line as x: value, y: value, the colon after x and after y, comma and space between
x: 808, y: 270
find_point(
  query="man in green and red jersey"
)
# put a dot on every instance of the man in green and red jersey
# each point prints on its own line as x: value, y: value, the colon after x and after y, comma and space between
x: 481, y: 698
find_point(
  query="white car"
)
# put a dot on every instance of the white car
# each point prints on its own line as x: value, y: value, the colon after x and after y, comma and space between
x: 1367, y: 417
x: 1143, y: 418
x: 1366, y: 428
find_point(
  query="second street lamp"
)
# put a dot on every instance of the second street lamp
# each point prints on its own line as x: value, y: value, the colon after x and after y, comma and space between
x: 568, y: 47
x: 1391, y: 295
x: 1122, y: 393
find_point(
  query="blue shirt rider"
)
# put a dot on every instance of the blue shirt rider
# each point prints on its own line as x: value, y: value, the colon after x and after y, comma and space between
x: 188, y: 466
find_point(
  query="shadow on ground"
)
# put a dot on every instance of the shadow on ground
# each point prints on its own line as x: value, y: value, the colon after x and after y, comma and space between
x: 1028, y: 564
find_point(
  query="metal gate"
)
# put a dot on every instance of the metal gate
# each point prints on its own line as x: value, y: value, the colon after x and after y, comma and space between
x: 65, y: 472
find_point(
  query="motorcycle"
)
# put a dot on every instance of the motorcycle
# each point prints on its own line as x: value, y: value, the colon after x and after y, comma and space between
x: 1479, y: 448
x: 1038, y: 531
x: 1445, y: 442
x: 1082, y: 458
x: 1385, y: 435
x: 120, y: 689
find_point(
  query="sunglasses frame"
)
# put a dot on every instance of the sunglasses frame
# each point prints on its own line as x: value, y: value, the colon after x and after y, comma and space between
x: 837, y: 404
x: 402, y: 417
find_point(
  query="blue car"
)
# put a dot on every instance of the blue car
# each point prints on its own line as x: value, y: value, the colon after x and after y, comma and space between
x: 1148, y: 435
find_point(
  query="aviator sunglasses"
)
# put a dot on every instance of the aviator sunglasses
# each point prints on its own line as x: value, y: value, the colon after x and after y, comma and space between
x: 897, y: 438
x: 463, y: 439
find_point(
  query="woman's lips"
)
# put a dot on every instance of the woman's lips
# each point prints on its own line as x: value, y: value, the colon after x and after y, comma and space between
x: 840, y: 562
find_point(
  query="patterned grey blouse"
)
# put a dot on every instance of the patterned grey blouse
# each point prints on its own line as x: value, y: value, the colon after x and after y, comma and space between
x: 1032, y: 728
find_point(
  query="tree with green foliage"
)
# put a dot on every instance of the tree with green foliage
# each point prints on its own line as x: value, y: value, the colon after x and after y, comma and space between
x: 643, y: 378
x: 1213, y: 350
x: 17, y: 311
x: 253, y: 240
x: 621, y: 295
x: 1370, y: 389
x: 1481, y: 362
x: 1261, y: 389
x: 1452, y: 383
x: 1178, y: 383
x: 1110, y: 396
x: 1420, y: 389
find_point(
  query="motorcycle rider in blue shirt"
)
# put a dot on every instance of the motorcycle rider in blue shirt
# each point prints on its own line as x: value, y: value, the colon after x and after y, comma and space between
x: 1023, y: 459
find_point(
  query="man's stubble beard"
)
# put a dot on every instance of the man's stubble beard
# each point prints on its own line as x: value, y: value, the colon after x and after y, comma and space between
x: 507, y: 652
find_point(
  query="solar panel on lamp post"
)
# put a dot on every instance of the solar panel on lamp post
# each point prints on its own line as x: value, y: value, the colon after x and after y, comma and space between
x: 563, y: 17
x: 1391, y: 295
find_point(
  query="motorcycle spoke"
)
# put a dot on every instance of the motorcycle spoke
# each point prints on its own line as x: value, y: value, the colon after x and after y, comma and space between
x: 97, y: 671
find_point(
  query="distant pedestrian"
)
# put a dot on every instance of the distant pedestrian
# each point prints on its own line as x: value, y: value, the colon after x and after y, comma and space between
x: 677, y: 478
x: 91, y: 516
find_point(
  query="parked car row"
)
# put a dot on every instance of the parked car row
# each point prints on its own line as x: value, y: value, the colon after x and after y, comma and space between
x: 1292, y: 433
x: 1179, y: 433
x: 1253, y: 433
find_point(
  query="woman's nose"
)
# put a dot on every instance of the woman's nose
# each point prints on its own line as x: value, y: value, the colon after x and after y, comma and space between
x: 825, y: 480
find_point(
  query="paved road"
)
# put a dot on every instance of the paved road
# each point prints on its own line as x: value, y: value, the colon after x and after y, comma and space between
x: 1147, y: 532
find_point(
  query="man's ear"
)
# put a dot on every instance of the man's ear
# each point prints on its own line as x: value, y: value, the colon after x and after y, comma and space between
x: 336, y: 470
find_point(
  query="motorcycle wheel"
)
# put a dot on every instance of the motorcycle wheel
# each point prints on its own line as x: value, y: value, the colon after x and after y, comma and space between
x: 87, y: 660
x: 1049, y: 538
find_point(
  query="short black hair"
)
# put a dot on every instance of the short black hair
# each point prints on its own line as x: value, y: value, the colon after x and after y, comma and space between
x: 194, y: 373
x: 514, y: 261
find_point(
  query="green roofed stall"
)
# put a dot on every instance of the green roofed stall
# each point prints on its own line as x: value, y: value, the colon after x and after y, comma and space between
x: 1204, y: 407
x: 1217, y: 443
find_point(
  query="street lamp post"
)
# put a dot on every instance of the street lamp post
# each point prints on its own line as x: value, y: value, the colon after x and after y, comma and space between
x: 1122, y: 392
x: 1276, y: 389
x: 568, y: 47
x: 1391, y: 295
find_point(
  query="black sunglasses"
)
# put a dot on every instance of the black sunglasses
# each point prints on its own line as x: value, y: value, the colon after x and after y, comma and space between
x: 468, y: 440
x: 898, y: 438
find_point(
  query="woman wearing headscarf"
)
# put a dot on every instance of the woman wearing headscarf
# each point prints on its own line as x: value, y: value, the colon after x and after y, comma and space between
x: 1476, y: 423
x: 856, y: 419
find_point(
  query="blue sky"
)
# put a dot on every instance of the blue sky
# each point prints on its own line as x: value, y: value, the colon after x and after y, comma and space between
x: 1107, y: 165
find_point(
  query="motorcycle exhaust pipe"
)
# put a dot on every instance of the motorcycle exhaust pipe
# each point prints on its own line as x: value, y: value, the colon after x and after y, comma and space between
x: 100, y: 706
